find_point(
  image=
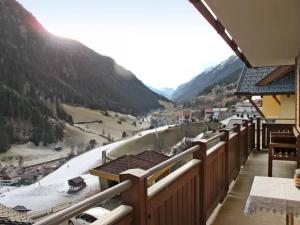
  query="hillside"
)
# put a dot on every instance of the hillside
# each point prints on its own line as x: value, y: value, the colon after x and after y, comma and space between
x: 221, y: 74
x: 40, y: 71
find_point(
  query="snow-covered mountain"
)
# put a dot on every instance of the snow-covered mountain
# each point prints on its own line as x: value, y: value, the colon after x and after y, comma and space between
x: 166, y: 92
x: 230, y: 68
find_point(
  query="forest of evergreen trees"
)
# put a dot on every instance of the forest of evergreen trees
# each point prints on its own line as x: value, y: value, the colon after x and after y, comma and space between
x: 29, y: 117
x: 39, y: 71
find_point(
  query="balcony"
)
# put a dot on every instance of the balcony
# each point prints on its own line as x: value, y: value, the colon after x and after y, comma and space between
x: 211, y: 188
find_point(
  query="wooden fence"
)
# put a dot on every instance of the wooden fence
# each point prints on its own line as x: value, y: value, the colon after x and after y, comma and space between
x: 189, y: 194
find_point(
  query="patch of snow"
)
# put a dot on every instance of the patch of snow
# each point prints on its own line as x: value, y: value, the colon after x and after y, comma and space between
x: 51, y: 191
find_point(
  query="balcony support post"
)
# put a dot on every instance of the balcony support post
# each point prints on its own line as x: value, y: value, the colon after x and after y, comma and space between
x: 225, y: 138
x: 136, y: 196
x: 258, y: 121
x: 245, y: 124
x: 237, y: 129
x: 252, y: 134
x: 201, y: 155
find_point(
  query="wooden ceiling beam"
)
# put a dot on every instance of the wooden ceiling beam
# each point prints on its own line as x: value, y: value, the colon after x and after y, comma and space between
x: 276, y: 99
x: 217, y: 25
x: 255, y: 106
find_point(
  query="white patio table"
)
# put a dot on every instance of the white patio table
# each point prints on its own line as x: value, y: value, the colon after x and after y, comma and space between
x: 276, y: 195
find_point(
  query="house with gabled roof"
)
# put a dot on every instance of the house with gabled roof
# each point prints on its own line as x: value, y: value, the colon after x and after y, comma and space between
x: 109, y: 172
x: 276, y: 85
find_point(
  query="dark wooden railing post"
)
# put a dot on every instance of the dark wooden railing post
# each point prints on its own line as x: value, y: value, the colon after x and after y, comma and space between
x: 136, y: 196
x: 225, y: 138
x: 258, y: 133
x: 252, y: 134
x: 263, y: 135
x: 201, y: 155
x: 246, y: 144
x: 298, y: 150
x: 237, y: 129
x: 268, y: 131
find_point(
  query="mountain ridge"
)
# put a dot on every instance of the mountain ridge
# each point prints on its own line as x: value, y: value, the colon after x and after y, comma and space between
x: 39, y: 71
x: 188, y: 91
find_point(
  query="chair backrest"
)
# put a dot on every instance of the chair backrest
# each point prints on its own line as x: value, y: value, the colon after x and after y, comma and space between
x: 297, y: 134
x: 283, y: 139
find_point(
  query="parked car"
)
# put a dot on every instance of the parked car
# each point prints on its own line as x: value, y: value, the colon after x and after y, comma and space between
x: 89, y: 216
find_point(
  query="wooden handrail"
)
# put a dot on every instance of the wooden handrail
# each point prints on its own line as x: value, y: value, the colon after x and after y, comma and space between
x: 114, y: 216
x: 213, y: 138
x: 172, y: 160
x: 82, y: 206
x: 224, y: 156
x: 160, y: 185
x: 215, y: 147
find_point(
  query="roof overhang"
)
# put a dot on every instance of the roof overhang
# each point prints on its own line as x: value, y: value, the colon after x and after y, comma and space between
x: 266, y: 32
x: 277, y: 74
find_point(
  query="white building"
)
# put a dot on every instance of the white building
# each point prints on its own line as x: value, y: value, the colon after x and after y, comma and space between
x: 185, y: 117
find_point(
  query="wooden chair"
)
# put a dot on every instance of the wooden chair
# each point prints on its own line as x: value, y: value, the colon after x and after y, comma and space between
x: 284, y: 146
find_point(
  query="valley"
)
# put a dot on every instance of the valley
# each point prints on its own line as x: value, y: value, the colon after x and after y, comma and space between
x: 66, y: 109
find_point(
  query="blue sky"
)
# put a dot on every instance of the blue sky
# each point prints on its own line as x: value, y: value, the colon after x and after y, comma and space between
x: 163, y: 42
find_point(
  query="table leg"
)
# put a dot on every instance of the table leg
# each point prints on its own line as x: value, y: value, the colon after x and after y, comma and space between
x: 290, y: 219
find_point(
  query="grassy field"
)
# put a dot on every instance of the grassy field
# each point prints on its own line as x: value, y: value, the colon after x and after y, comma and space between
x: 75, y: 138
x: 112, y: 125
x: 36, y: 154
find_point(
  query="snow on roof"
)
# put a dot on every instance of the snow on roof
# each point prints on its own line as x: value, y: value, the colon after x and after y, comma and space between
x: 76, y: 180
x: 220, y: 109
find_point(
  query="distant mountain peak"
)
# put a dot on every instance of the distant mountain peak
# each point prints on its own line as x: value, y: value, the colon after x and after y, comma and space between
x: 165, y: 91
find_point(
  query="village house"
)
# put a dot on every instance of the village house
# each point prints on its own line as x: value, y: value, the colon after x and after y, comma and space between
x: 14, y: 216
x: 9, y: 176
x: 109, y: 172
x: 245, y: 107
x: 219, y: 113
x: 76, y: 184
x: 208, y: 114
x: 185, y: 117
x: 216, y: 113
x: 20, y: 209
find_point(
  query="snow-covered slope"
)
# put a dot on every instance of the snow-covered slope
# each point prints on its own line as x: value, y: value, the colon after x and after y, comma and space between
x: 51, y: 191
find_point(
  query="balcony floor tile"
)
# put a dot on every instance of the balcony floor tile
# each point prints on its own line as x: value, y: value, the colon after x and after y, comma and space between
x: 232, y: 210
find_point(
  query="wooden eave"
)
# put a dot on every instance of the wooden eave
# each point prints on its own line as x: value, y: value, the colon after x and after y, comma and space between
x: 277, y: 74
x: 218, y: 26
x: 114, y: 177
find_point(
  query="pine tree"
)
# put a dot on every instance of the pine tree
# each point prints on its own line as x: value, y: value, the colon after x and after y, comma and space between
x: 4, y: 142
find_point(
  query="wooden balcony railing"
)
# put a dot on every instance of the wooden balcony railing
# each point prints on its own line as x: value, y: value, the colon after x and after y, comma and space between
x: 187, y: 196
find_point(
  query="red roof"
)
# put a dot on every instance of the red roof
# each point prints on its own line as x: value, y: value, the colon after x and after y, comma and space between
x: 144, y: 160
x: 209, y: 110
x: 185, y: 113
